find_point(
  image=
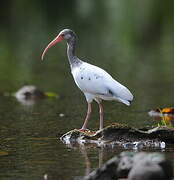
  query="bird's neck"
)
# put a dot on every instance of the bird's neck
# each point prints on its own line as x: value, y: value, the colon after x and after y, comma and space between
x: 73, y: 60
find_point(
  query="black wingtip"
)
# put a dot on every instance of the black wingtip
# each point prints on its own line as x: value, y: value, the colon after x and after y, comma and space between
x: 130, y: 102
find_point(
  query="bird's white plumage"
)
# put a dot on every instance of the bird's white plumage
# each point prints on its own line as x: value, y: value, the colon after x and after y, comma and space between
x: 97, y: 84
x: 93, y: 81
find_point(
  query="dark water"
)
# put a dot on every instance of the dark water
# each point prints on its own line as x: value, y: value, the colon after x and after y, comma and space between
x: 30, y: 145
x: 121, y: 43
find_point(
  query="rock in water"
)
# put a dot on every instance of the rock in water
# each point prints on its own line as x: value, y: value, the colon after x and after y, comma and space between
x: 150, y: 166
x: 27, y: 95
x: 107, y: 172
x: 134, y: 166
x: 119, y: 134
x: 146, y: 171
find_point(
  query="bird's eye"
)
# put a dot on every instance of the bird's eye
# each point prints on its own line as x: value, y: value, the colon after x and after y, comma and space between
x: 62, y: 35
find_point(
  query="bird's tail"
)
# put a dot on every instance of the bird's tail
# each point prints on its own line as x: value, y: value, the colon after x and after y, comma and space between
x: 121, y: 93
x: 127, y: 102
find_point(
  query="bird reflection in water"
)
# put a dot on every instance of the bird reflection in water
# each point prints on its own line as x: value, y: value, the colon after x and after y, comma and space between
x: 84, y: 150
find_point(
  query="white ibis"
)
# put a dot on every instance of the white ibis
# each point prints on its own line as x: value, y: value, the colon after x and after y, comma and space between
x: 94, y: 82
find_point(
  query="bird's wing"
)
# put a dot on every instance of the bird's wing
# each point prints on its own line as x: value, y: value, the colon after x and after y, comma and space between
x: 89, y: 78
x: 94, y: 80
x: 121, y: 92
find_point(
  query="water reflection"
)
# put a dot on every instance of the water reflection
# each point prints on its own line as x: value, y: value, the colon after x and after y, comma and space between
x: 85, y: 154
x: 86, y: 159
x: 103, y: 153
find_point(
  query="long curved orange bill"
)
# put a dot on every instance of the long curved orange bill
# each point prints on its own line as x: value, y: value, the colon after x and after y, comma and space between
x: 52, y: 43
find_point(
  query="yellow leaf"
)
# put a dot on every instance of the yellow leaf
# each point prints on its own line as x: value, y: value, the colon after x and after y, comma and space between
x: 51, y: 94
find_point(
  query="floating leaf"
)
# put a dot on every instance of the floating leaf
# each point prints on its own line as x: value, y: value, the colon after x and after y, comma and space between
x: 167, y: 110
x: 51, y: 94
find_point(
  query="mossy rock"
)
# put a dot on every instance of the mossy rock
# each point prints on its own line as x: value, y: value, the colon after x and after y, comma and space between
x: 119, y: 133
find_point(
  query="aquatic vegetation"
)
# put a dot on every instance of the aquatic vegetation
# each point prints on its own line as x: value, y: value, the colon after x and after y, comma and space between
x: 165, y: 116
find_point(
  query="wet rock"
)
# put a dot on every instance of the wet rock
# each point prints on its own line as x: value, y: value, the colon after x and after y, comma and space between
x: 134, y: 166
x: 150, y: 166
x: 162, y: 162
x: 119, y: 134
x: 125, y: 164
x: 28, y: 94
x: 29, y: 91
x: 106, y: 172
x: 146, y: 171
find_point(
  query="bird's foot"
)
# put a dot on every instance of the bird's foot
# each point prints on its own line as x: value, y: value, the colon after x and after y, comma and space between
x: 87, y: 131
x: 84, y: 130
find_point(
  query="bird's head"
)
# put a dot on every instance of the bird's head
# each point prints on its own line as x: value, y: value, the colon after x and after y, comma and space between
x: 65, y: 34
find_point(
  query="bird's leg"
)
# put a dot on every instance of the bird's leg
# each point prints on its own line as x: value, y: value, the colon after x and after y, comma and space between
x: 101, y: 115
x: 87, y: 117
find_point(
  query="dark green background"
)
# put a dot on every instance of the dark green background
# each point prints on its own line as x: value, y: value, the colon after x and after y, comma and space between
x: 133, y: 40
